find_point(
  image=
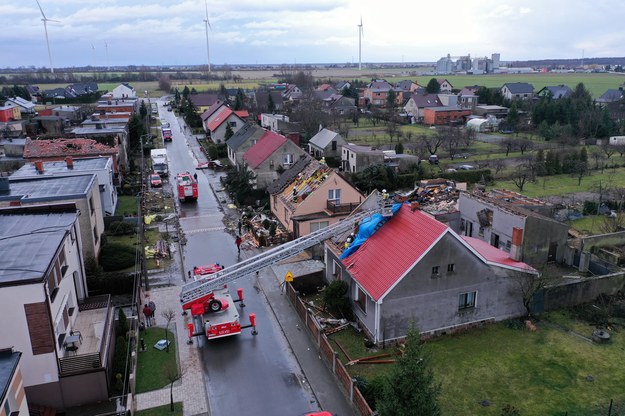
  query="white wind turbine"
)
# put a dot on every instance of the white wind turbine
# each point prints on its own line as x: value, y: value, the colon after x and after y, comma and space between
x: 207, y: 26
x: 360, y: 35
x: 94, y: 61
x: 45, y: 21
x: 106, y: 52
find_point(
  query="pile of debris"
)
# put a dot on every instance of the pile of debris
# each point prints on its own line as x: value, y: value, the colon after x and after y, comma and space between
x: 439, y: 195
x: 263, y: 231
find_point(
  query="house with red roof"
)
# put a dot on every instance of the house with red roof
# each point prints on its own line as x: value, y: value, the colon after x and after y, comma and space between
x: 59, y: 149
x: 269, y: 156
x: 218, y: 123
x: 311, y: 195
x: 415, y: 269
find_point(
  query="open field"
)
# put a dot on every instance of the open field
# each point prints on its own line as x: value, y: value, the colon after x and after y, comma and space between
x: 597, y: 83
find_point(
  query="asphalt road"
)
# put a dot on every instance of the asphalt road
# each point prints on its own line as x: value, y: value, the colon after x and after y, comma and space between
x: 244, y: 374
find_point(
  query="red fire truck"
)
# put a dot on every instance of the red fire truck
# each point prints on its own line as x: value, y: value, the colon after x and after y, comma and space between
x: 206, y: 296
x: 187, y: 187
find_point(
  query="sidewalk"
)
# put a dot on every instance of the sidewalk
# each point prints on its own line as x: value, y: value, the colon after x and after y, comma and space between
x: 190, y: 390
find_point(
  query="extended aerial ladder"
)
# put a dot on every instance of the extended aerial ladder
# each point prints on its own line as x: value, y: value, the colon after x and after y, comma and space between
x: 202, y: 290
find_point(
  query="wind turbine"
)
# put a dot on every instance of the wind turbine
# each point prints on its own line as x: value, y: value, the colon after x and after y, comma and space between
x: 208, y: 25
x: 45, y: 21
x: 360, y: 35
x: 106, y: 54
x: 94, y: 61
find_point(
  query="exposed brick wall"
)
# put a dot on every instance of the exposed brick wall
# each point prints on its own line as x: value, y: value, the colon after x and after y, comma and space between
x: 39, y: 328
x: 326, y: 350
x: 344, y: 378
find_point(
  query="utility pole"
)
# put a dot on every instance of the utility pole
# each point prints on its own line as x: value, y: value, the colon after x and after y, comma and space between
x: 144, y: 268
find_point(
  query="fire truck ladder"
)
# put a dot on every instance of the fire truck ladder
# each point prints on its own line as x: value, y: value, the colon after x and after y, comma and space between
x: 201, y: 288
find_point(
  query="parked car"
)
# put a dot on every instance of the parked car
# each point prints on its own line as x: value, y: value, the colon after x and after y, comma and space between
x: 433, y: 160
x: 164, y: 123
x: 169, y: 108
x: 155, y: 180
x: 466, y: 167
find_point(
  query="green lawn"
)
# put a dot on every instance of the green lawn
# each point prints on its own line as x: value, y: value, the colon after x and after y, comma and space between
x: 540, y: 373
x: 154, y: 367
x: 162, y: 411
x: 126, y: 204
x: 567, y: 184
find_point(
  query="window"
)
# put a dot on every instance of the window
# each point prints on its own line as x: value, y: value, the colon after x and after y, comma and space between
x: 333, y: 144
x: 287, y: 159
x: 95, y: 233
x: 91, y: 208
x: 451, y: 267
x: 508, y: 245
x: 435, y: 272
x: 361, y: 299
x: 481, y: 233
x: 232, y: 123
x: 334, y: 195
x: 53, y: 281
x: 102, y: 188
x: 467, y: 300
x: 315, y: 226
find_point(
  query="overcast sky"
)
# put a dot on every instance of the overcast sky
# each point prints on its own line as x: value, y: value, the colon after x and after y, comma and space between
x: 167, y: 32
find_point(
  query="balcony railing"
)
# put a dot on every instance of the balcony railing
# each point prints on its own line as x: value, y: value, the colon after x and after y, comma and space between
x: 339, y: 208
x: 81, y: 363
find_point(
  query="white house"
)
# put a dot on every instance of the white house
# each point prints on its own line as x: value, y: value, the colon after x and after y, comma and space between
x: 66, y: 348
x: 124, y: 90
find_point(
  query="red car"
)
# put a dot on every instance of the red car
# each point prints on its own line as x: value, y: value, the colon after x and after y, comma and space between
x: 155, y: 180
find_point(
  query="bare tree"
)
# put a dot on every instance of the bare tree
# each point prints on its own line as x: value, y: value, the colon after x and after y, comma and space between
x: 432, y: 142
x: 529, y: 284
x: 499, y: 165
x: 608, y: 149
x: 507, y: 144
x: 599, y: 160
x: 169, y: 315
x: 521, y: 175
x: 524, y: 144
x: 451, y: 140
x: 173, y: 375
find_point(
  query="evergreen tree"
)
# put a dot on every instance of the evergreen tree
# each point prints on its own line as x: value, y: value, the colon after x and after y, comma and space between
x: 433, y: 87
x: 410, y: 388
x: 229, y: 132
x: 271, y: 105
x: 390, y: 99
x: 399, y: 148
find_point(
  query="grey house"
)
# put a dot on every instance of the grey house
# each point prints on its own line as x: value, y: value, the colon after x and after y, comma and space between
x: 102, y: 167
x: 326, y: 143
x: 241, y: 141
x: 555, y: 92
x: 516, y: 224
x: 356, y: 158
x: 414, y: 269
x: 517, y: 90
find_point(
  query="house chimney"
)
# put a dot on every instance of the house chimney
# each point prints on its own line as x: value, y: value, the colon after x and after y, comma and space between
x: 39, y: 166
x: 517, y: 241
x: 70, y: 162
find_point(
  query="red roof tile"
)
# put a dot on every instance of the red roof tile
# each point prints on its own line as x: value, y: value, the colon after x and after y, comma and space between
x: 387, y: 255
x: 264, y: 147
x: 222, y: 115
x: 242, y: 113
x: 496, y: 256
x: 64, y: 147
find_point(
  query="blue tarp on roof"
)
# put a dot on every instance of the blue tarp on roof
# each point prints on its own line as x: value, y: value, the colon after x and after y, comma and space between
x: 366, y: 229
